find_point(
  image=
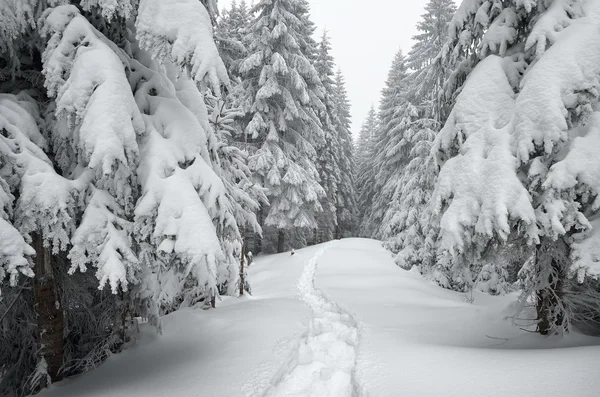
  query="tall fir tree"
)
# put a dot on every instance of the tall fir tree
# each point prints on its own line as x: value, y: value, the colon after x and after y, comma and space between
x: 346, y: 201
x: 328, y: 160
x: 230, y: 36
x: 119, y: 204
x: 390, y: 145
x: 282, y: 95
x: 366, y: 172
x: 410, y: 227
x: 510, y: 145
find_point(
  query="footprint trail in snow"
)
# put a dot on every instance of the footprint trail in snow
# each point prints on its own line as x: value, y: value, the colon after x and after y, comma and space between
x: 324, y: 362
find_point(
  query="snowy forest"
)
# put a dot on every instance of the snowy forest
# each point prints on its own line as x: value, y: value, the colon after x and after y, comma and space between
x: 151, y: 150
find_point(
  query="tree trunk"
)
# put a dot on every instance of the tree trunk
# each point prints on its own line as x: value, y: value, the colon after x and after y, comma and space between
x: 50, y: 321
x: 258, y: 237
x: 281, y: 241
x: 122, y: 319
x: 552, y: 257
x: 242, y: 278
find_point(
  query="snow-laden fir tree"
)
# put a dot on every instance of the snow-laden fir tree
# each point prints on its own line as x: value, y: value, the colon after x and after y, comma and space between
x: 346, y: 204
x: 245, y: 194
x: 425, y: 59
x: 366, y: 172
x: 409, y: 225
x: 282, y: 95
x: 112, y: 176
x: 328, y: 157
x: 390, y: 146
x: 515, y: 174
x: 230, y: 35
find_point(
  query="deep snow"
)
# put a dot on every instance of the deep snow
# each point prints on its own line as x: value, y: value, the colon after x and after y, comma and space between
x: 370, y: 329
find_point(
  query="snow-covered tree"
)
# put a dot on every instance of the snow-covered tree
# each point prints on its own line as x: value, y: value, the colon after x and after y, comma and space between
x: 109, y: 162
x: 346, y: 204
x: 282, y: 96
x: 328, y: 163
x: 411, y: 232
x: 230, y: 35
x: 409, y: 225
x: 425, y: 59
x: 366, y: 172
x: 245, y: 195
x: 391, y: 149
x: 483, y: 197
x: 512, y: 139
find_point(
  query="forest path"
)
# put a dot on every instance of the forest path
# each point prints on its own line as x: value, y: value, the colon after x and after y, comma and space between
x: 324, y: 361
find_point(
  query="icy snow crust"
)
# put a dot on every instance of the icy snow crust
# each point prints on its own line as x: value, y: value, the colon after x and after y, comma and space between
x: 416, y: 340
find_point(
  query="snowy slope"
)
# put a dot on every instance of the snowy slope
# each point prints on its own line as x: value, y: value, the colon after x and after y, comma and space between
x: 340, y: 319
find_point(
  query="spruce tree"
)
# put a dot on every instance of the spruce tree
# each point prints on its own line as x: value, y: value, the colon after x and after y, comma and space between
x: 328, y: 163
x: 230, y: 35
x: 366, y: 172
x: 390, y: 146
x: 282, y: 94
x: 510, y: 140
x: 409, y: 225
x: 346, y: 202
x: 119, y: 202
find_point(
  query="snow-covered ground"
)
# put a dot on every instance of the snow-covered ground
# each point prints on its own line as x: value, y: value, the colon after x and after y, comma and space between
x: 340, y: 319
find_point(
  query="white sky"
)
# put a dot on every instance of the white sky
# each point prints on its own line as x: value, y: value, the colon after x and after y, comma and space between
x: 364, y: 37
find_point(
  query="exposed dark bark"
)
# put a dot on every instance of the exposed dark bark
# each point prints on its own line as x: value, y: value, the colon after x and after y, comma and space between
x: 552, y: 257
x: 242, y: 278
x: 258, y: 237
x: 280, y: 240
x: 122, y: 318
x: 48, y: 307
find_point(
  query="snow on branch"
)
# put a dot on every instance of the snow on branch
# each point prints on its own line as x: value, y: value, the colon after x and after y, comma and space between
x: 88, y: 80
x: 549, y: 26
x: 480, y: 183
x: 562, y: 84
x: 183, y: 35
x: 45, y: 201
x: 179, y: 186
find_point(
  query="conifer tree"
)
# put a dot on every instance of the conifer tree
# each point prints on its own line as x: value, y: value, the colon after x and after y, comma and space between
x: 426, y: 59
x: 409, y: 225
x: 120, y: 202
x: 366, y: 171
x: 510, y: 140
x: 282, y: 96
x: 390, y: 146
x: 346, y: 202
x: 230, y: 35
x: 328, y: 158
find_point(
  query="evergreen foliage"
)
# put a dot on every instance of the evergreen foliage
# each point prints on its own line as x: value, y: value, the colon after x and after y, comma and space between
x: 282, y: 96
x: 119, y: 197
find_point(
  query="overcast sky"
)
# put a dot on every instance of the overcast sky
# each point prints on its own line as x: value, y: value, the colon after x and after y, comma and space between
x: 364, y: 37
